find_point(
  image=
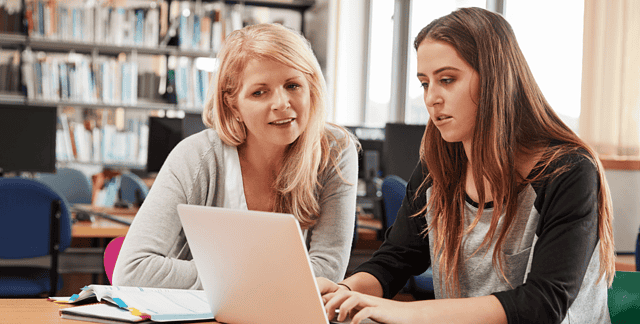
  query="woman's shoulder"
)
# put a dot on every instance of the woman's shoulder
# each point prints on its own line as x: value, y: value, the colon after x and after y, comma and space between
x: 197, y: 148
x: 337, y: 132
x: 207, y: 139
x: 566, y: 167
x: 339, y: 137
x: 565, y: 158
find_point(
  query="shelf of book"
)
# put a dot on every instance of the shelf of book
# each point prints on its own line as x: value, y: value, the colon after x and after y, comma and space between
x: 12, y: 98
x: 144, y: 56
x: 42, y: 44
x: 142, y: 105
x: 12, y: 40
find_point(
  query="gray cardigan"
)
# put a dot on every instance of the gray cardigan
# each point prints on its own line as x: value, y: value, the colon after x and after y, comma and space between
x: 155, y: 252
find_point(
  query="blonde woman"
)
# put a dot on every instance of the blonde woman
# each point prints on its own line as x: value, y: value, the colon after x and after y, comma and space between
x: 508, y: 205
x: 268, y: 148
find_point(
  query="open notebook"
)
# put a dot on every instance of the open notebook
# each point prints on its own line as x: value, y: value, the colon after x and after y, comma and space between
x: 254, y: 266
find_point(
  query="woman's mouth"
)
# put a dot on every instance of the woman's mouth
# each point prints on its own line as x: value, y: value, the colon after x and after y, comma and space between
x: 282, y: 122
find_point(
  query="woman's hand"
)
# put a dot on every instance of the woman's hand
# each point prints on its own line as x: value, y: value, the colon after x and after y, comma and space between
x: 326, y: 286
x: 360, y: 306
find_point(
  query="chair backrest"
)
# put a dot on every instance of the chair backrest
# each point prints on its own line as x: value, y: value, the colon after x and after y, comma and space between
x: 624, y: 297
x: 111, y: 255
x: 393, y: 192
x: 73, y: 184
x: 26, y: 209
x: 35, y: 222
x: 133, y: 189
x: 638, y: 252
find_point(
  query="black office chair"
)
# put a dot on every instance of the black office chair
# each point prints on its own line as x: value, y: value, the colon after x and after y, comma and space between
x: 36, y: 222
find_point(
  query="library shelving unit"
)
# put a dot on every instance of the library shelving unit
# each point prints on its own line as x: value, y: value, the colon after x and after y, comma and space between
x: 140, y: 57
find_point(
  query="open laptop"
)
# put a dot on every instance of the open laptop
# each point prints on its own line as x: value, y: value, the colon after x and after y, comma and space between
x: 254, y: 266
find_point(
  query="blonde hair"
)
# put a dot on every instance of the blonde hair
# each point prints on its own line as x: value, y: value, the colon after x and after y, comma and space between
x: 308, y: 156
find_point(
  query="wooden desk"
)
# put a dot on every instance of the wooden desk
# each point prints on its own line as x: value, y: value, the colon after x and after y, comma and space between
x: 39, y: 310
x: 102, y: 227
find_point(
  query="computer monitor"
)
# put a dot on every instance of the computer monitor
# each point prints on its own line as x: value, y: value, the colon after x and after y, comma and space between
x: 370, y: 157
x: 402, y: 148
x: 164, y: 135
x: 27, y: 138
x: 191, y: 124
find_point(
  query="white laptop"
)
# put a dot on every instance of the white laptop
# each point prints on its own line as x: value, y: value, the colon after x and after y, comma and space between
x: 254, y: 266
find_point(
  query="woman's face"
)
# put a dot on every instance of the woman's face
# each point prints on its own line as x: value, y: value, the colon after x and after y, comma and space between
x: 451, y: 90
x: 274, y: 103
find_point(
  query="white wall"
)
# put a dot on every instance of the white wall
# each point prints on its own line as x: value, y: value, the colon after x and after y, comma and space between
x: 625, y: 193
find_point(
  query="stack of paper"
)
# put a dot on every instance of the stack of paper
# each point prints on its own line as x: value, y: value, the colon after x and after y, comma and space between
x: 135, y: 304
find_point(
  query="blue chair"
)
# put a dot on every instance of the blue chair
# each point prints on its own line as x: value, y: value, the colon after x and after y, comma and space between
x: 74, y: 185
x: 393, y: 192
x: 36, y: 222
x: 132, y: 189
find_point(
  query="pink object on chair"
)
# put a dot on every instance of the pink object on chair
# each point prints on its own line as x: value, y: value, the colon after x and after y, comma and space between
x: 111, y: 255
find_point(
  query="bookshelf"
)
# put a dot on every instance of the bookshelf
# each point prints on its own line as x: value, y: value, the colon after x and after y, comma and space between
x: 107, y: 65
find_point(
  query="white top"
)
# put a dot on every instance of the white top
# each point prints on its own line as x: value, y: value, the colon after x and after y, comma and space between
x: 234, y: 190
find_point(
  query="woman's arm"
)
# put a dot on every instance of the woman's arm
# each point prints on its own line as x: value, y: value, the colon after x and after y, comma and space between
x: 155, y: 251
x: 358, y: 306
x: 566, y: 244
x: 405, y: 251
x: 332, y: 235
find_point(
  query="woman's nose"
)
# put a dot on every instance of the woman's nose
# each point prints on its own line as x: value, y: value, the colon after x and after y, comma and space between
x: 280, y: 100
x: 431, y: 98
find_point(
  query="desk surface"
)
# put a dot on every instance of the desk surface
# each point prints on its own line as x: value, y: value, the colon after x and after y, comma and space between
x: 39, y: 310
x: 102, y: 227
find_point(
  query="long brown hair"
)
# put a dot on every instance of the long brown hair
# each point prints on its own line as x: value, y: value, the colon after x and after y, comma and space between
x: 513, y: 119
x: 308, y: 156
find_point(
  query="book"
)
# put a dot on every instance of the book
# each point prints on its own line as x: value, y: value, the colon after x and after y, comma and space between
x: 100, y: 313
x: 134, y: 304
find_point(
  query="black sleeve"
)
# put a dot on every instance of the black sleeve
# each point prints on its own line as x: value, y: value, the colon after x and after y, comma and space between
x: 405, y: 250
x: 567, y: 237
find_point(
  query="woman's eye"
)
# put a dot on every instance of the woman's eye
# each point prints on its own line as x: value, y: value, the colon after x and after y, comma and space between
x: 425, y: 85
x: 257, y: 93
x: 293, y: 86
x: 446, y: 80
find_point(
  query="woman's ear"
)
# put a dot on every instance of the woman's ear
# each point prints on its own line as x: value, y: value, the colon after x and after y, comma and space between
x: 228, y: 101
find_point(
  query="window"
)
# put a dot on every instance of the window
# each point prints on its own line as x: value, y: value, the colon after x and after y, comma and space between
x: 549, y: 33
x: 380, y: 55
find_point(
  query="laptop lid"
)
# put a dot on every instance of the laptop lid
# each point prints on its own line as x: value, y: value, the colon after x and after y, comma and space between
x: 254, y: 266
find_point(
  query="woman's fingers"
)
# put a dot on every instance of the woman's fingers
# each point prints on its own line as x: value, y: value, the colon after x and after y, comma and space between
x: 362, y: 315
x: 352, y: 305
x: 326, y: 286
x: 348, y: 304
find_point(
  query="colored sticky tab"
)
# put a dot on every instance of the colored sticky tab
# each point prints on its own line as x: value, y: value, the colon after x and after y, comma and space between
x: 73, y: 297
x: 120, y: 303
x: 85, y: 288
x: 59, y: 301
x: 134, y: 311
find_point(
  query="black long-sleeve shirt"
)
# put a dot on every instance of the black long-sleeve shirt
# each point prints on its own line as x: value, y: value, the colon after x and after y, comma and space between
x: 551, y: 254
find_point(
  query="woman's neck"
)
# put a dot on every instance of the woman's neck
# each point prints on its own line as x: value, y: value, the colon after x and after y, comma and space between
x: 525, y: 162
x: 263, y: 158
